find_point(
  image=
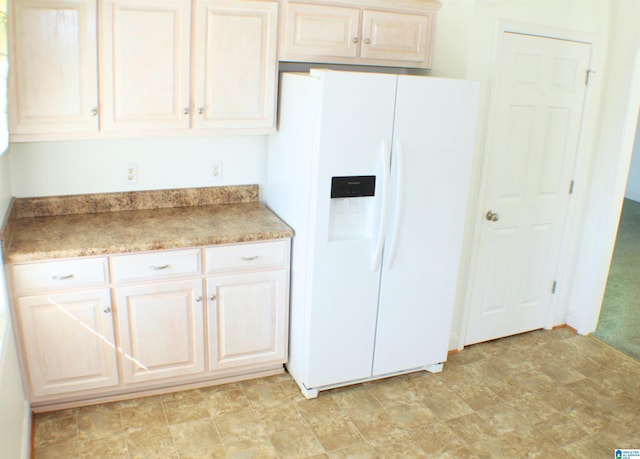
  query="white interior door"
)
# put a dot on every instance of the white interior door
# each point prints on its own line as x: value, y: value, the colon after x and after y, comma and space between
x: 532, y: 142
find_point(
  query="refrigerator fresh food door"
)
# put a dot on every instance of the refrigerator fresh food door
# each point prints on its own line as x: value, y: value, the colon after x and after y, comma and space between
x: 353, y: 138
x: 430, y: 169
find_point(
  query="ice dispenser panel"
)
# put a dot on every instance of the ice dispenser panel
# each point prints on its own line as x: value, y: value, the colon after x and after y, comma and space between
x: 353, y: 187
x: 352, y: 206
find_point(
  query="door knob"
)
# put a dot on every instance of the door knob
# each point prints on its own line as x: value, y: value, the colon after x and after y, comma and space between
x: 492, y: 216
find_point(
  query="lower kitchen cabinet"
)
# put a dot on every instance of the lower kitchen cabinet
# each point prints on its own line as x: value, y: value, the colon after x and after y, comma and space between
x: 68, y: 339
x: 161, y: 330
x: 247, y: 319
x: 96, y: 328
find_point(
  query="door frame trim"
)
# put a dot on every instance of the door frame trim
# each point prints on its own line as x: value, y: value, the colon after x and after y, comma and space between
x: 600, y: 237
x: 575, y: 213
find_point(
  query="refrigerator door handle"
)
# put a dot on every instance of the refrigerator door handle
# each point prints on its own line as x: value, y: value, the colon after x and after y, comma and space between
x: 385, y: 155
x: 399, y: 202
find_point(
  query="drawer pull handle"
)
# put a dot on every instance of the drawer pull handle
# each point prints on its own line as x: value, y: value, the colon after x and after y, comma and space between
x: 255, y: 257
x: 61, y: 278
x: 158, y: 268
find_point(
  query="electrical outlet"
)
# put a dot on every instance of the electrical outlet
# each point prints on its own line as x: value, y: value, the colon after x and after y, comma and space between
x: 131, y: 173
x: 216, y: 170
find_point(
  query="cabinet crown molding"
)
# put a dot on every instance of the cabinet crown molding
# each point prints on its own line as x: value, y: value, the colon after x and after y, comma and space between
x: 432, y: 6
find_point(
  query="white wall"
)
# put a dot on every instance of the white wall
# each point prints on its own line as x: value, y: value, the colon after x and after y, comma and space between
x: 14, y: 410
x: 633, y: 183
x: 99, y: 166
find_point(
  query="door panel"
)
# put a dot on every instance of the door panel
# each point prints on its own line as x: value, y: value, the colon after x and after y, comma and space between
x: 53, y: 67
x: 395, y: 36
x: 431, y: 165
x: 150, y: 92
x: 531, y: 147
x: 321, y: 30
x: 356, y: 121
x: 161, y: 330
x: 236, y: 64
x: 69, y: 341
x: 247, y: 319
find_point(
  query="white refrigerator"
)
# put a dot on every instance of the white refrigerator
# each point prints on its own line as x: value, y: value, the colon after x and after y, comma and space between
x: 372, y: 173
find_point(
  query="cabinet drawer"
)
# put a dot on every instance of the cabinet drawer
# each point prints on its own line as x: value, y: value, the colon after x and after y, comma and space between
x: 273, y: 254
x: 57, y: 275
x: 155, y: 265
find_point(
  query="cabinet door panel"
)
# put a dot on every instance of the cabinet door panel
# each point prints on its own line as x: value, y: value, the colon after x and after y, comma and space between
x: 396, y: 36
x: 320, y: 30
x: 53, y: 78
x: 161, y: 330
x: 69, y: 341
x: 247, y: 319
x: 145, y: 64
x: 236, y: 64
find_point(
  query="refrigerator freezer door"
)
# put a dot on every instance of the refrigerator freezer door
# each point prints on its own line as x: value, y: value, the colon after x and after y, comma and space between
x: 354, y: 120
x: 434, y: 129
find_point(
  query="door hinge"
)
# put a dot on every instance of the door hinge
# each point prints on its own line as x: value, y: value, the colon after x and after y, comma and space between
x: 588, y: 77
x: 571, y: 184
x: 553, y: 287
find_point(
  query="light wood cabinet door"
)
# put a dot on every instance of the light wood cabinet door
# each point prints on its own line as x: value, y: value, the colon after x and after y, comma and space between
x: 235, y: 70
x: 144, y: 59
x: 69, y: 341
x: 396, y: 36
x: 53, y: 83
x: 321, y: 31
x: 161, y: 330
x: 247, y: 319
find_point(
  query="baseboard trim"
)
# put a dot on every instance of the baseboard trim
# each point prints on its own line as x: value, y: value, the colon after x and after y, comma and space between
x: 568, y: 327
x: 27, y: 432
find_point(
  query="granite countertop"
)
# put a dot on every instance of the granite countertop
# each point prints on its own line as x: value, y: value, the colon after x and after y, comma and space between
x: 120, y: 224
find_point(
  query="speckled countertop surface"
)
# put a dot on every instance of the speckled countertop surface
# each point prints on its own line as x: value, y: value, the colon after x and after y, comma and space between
x: 237, y: 217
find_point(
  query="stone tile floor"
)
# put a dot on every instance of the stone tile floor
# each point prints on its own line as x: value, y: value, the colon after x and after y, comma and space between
x: 539, y: 394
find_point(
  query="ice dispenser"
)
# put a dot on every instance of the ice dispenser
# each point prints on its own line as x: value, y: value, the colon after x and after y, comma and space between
x: 352, y: 205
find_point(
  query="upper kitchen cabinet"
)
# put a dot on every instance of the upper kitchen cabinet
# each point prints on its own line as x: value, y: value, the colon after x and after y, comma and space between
x: 235, y: 65
x: 53, y: 85
x: 169, y: 67
x: 360, y: 32
x: 144, y: 59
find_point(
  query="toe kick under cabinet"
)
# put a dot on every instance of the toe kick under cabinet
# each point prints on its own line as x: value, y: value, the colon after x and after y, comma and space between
x: 103, y: 328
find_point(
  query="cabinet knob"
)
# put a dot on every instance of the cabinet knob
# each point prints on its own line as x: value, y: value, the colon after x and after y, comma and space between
x: 199, y: 299
x: 367, y: 41
x: 186, y: 111
x: 213, y: 297
x: 107, y: 309
x: 94, y: 112
x: 355, y: 40
x: 201, y: 111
